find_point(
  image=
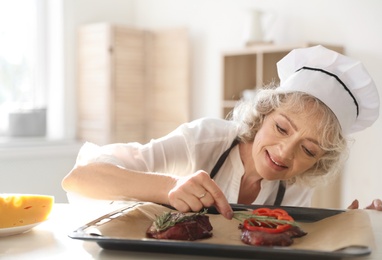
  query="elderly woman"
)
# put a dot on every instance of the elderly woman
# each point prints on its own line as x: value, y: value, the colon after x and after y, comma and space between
x: 274, y: 150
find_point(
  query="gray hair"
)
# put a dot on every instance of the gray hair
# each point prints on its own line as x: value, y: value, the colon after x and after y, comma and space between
x: 249, y: 116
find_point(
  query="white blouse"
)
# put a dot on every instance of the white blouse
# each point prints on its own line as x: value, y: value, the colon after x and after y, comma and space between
x: 191, y: 147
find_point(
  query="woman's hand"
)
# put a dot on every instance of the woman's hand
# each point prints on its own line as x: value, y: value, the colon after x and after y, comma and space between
x: 375, y: 204
x: 195, y: 192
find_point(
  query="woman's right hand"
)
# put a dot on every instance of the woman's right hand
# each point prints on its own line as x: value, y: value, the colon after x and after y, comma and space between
x: 197, y: 191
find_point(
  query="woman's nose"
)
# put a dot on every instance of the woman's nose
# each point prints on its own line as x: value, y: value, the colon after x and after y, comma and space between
x: 287, y: 149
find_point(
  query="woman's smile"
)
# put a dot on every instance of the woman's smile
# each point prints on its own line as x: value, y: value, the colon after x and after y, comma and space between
x: 277, y: 164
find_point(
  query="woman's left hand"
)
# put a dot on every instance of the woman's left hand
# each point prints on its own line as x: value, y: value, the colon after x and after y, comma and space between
x: 375, y: 204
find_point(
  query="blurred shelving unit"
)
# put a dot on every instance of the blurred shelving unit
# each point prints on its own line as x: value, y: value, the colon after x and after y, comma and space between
x: 133, y: 84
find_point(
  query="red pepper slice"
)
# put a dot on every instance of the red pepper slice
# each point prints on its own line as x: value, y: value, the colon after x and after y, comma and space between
x: 253, y: 224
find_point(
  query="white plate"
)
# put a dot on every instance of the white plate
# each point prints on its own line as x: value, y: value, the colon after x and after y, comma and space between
x: 17, y: 230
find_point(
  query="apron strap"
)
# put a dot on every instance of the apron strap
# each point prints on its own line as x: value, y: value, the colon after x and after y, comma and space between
x: 223, y: 157
x: 280, y: 194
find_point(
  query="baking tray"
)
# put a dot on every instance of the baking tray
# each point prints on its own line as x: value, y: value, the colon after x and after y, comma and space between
x: 89, y: 232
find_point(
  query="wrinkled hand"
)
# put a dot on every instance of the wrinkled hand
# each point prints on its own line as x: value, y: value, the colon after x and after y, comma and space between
x: 375, y: 204
x: 195, y: 192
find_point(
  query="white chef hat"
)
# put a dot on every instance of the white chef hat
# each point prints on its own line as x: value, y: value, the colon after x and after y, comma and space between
x: 340, y: 82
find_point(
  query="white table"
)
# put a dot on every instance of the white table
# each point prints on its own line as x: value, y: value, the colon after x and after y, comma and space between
x: 50, y: 239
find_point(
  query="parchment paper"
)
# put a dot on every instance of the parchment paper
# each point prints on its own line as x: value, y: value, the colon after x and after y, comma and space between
x: 351, y: 228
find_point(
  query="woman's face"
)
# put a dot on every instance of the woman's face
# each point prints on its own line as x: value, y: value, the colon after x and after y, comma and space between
x: 286, y: 145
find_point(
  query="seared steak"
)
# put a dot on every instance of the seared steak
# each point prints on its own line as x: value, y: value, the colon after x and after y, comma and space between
x: 261, y: 238
x: 181, y: 227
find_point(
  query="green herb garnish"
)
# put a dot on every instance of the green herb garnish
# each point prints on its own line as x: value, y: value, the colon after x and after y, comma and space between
x: 168, y: 219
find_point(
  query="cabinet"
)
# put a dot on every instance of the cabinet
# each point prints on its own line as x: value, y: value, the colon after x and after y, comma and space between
x: 251, y: 67
x: 133, y: 84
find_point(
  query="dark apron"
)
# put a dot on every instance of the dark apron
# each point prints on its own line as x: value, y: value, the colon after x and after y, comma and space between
x: 219, y: 163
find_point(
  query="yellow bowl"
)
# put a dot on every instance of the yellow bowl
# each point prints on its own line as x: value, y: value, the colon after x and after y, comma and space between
x: 18, y: 210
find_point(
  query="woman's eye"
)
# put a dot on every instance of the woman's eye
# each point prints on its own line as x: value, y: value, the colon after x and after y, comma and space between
x: 309, y: 152
x: 280, y: 129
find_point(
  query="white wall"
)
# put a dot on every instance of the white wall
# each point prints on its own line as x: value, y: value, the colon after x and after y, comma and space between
x: 217, y: 25
x: 37, y: 168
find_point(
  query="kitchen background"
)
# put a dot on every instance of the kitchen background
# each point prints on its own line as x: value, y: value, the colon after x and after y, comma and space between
x: 213, y: 26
